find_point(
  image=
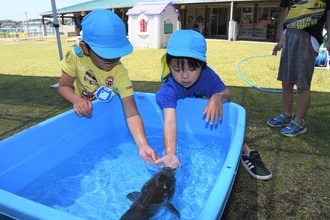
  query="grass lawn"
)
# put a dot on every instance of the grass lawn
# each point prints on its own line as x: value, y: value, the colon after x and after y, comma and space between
x: 301, y: 166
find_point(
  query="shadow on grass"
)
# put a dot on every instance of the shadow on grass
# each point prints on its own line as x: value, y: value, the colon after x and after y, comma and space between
x: 27, y: 100
x: 300, y: 165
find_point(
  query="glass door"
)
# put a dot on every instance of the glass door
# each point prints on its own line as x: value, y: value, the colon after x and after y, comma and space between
x: 219, y: 21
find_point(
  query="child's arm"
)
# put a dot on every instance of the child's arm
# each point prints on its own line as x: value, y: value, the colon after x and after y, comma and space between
x: 81, y: 106
x: 170, y: 159
x: 170, y: 130
x: 136, y: 127
x: 279, y: 45
x: 213, y: 110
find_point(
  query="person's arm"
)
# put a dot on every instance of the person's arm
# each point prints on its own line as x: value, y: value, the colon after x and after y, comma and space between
x: 213, y: 110
x: 279, y: 45
x: 170, y: 159
x: 170, y: 131
x: 136, y: 127
x: 81, y: 106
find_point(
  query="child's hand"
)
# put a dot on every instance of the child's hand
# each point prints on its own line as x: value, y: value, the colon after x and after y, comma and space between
x: 148, y: 154
x: 83, y: 107
x: 277, y: 48
x: 213, y: 109
x: 170, y: 160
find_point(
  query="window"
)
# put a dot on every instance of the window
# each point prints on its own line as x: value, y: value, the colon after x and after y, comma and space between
x: 168, y: 26
x: 143, y: 25
x: 247, y: 15
x: 269, y: 14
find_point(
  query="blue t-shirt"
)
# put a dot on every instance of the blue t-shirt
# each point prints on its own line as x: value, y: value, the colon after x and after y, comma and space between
x: 207, y: 85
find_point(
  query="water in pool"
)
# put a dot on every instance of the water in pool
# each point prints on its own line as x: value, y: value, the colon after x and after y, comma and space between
x: 94, y: 182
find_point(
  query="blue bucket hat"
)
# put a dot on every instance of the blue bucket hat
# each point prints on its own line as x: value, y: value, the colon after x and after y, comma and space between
x: 184, y: 43
x: 105, y: 33
x: 187, y: 43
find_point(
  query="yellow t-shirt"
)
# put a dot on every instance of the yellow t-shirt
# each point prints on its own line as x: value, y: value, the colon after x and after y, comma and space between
x: 88, y: 77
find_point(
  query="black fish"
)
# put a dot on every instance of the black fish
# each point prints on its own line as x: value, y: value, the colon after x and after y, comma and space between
x: 155, y: 193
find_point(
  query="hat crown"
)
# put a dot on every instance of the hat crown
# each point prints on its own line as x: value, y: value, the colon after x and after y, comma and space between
x: 187, y: 43
x: 105, y: 33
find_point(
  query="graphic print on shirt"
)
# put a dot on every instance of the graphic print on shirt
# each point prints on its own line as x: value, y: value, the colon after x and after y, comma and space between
x: 303, y: 14
x: 109, y: 81
x: 90, y: 85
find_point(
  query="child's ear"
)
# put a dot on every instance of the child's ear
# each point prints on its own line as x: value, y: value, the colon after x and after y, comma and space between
x: 84, y: 47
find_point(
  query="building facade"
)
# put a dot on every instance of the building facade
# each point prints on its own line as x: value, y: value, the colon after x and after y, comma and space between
x: 233, y: 20
x: 240, y: 20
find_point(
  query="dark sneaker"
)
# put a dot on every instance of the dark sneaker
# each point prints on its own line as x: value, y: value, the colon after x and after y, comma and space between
x: 279, y: 121
x: 255, y: 166
x: 294, y: 128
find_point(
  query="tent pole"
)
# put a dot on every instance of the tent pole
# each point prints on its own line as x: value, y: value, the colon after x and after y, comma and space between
x: 56, y: 26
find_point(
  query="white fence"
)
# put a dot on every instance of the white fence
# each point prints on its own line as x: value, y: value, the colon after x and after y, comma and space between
x: 26, y: 32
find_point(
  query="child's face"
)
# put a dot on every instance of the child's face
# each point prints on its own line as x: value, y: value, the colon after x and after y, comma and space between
x: 102, y: 63
x: 184, y: 75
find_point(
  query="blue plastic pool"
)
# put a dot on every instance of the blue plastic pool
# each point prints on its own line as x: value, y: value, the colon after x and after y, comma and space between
x: 82, y: 168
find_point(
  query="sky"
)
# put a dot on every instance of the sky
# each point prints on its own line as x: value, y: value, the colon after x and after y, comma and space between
x: 19, y: 10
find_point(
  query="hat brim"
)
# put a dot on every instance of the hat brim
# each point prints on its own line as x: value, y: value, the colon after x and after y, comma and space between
x: 113, y: 52
x: 186, y: 53
x: 165, y: 68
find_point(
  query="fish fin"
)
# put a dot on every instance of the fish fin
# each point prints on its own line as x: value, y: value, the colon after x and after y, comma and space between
x: 133, y: 196
x: 172, y: 209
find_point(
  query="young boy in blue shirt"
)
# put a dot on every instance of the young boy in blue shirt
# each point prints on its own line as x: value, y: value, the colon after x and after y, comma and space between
x: 186, y: 74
